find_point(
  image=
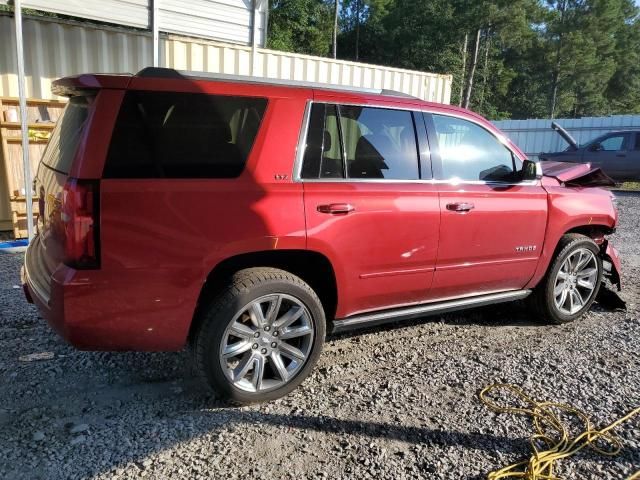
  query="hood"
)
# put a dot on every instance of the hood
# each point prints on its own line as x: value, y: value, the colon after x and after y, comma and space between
x: 582, y: 174
x: 564, y: 134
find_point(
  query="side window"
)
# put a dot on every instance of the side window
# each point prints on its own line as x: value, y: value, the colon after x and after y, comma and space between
x: 379, y: 143
x: 323, y: 155
x: 612, y: 144
x: 469, y: 152
x: 183, y: 135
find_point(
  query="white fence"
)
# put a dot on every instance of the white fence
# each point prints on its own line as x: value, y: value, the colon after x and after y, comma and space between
x: 55, y: 49
x: 536, y: 136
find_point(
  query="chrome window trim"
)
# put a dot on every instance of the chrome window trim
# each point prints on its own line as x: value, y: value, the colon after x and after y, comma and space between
x: 453, y: 183
x: 302, y: 144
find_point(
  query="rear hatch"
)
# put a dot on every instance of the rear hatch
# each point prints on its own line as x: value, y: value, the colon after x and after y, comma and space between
x: 60, y: 198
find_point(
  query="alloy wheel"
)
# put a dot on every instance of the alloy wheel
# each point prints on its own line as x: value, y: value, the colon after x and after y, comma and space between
x: 576, y: 281
x: 267, y: 343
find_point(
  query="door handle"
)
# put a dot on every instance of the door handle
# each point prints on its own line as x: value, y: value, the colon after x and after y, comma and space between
x: 336, y: 208
x: 621, y: 155
x: 460, y: 207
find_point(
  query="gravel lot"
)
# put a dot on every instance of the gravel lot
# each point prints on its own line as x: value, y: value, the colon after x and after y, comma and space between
x: 394, y: 402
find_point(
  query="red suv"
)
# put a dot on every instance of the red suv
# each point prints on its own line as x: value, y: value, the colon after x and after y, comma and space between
x: 247, y: 217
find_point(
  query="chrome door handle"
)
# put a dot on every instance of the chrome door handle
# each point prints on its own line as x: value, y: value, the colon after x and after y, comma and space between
x: 336, y: 208
x: 460, y: 207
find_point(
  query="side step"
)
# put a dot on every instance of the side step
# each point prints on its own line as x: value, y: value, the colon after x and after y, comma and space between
x: 405, y: 313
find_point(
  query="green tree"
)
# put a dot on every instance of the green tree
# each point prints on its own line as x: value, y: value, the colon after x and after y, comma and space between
x: 623, y: 89
x: 301, y: 26
x: 535, y: 57
x: 584, y: 40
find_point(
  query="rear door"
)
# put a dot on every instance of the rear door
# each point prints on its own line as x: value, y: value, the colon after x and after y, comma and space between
x: 492, y: 225
x: 366, y: 207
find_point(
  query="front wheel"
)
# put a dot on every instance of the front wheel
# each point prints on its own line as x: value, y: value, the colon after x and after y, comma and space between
x: 572, y: 282
x: 261, y: 336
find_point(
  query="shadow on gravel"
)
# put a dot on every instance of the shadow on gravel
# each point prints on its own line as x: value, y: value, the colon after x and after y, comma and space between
x: 387, y: 431
x: 513, y: 314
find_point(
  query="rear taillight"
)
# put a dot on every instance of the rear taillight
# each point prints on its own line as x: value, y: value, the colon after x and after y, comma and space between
x: 81, y: 224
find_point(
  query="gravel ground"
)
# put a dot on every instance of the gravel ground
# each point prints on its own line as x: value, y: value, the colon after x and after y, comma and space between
x: 394, y: 402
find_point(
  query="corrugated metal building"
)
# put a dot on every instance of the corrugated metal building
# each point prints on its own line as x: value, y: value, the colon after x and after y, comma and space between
x: 226, y: 20
x: 536, y: 136
x: 55, y: 48
x: 215, y: 36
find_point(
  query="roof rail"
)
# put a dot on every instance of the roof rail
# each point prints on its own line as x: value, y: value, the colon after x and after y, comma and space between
x: 159, y: 72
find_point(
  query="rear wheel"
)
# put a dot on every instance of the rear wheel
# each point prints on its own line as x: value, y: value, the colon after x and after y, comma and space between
x: 260, y: 337
x: 572, y: 282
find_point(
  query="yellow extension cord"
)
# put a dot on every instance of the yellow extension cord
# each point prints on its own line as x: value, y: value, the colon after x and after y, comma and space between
x: 552, y: 434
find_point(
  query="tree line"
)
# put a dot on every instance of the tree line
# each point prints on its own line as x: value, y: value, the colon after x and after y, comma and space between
x: 509, y: 58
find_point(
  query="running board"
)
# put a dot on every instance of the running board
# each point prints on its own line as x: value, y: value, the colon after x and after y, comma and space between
x: 405, y: 313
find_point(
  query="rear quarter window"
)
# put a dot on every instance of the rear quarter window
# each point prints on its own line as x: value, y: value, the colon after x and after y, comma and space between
x: 183, y: 135
x: 66, y: 135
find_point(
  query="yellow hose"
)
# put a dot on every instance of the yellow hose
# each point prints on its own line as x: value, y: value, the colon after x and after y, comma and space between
x: 551, y: 440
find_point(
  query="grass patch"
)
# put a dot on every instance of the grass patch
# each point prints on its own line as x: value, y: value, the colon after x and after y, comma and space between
x: 631, y: 186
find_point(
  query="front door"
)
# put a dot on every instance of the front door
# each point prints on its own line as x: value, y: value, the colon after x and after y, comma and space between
x: 366, y: 208
x: 492, y: 225
x: 611, y: 154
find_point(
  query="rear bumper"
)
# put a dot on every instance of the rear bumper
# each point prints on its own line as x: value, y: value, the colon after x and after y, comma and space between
x: 50, y: 301
x: 95, y: 310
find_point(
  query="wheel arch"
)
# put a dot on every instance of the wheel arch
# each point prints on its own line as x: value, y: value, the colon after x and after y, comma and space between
x: 596, y: 232
x: 311, y: 266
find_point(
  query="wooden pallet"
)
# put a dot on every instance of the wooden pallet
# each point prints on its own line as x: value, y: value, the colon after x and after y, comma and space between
x: 41, y: 118
x: 19, y: 215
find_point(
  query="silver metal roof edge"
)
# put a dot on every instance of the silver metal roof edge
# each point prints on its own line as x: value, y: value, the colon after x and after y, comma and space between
x: 158, y: 72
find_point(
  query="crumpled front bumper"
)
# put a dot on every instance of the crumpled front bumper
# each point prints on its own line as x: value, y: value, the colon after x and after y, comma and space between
x: 611, y: 255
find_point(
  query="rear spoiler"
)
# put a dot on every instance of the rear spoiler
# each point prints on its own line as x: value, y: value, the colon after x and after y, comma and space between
x: 82, y: 84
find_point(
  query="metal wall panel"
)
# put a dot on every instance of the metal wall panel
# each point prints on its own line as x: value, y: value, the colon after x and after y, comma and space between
x: 55, y: 49
x: 535, y: 136
x: 219, y: 58
x: 226, y: 20
x: 134, y: 13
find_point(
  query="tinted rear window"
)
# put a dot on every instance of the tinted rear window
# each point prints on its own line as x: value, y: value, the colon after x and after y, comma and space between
x: 183, y: 135
x: 65, y: 137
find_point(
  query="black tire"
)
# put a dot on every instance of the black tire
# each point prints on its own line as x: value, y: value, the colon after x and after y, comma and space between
x: 542, y: 301
x: 243, y: 288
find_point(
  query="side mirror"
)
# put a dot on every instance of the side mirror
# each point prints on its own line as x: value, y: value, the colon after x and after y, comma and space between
x: 595, y: 147
x: 531, y: 170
